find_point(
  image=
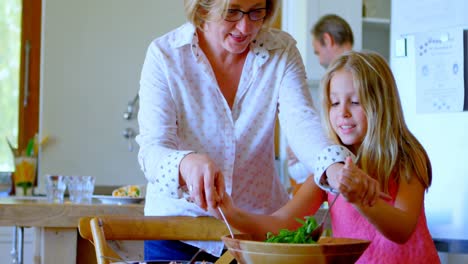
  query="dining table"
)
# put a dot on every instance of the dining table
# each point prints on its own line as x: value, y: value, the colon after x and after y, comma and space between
x: 56, y: 238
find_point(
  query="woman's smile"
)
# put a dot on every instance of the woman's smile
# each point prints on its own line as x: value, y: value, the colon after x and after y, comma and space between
x: 238, y: 38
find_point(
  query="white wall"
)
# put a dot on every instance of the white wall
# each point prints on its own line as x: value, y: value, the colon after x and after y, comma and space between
x: 442, y: 134
x: 92, y: 53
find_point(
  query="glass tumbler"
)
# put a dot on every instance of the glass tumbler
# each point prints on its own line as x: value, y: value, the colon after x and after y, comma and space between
x: 80, y: 188
x: 88, y: 189
x: 55, y: 188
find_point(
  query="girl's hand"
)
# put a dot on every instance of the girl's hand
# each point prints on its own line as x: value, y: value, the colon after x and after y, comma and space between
x: 226, y: 204
x: 204, y: 180
x: 356, y: 186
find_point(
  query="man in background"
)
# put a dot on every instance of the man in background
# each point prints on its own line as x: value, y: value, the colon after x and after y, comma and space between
x: 332, y: 36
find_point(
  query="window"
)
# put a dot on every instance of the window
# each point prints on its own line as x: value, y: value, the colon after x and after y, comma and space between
x: 20, y: 35
x: 10, y: 37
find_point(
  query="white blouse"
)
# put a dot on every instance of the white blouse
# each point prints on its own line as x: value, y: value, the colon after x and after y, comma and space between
x: 182, y: 110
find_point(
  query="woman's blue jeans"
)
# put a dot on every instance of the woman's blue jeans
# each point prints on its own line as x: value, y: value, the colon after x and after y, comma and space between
x: 173, y: 250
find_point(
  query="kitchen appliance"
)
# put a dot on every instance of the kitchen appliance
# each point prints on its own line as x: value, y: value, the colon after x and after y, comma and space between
x: 427, y: 41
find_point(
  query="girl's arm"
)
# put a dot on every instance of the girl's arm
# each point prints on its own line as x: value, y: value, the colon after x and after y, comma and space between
x: 396, y: 222
x: 306, y: 202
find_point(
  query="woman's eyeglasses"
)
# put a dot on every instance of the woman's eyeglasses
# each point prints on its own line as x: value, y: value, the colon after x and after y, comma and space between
x: 234, y: 15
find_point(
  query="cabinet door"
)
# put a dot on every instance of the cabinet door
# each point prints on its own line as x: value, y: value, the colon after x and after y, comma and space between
x: 93, y: 54
x: 300, y: 15
x: 6, y: 245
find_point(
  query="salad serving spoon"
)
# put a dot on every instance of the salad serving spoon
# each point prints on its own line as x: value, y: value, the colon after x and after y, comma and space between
x: 226, y: 222
x: 317, y: 232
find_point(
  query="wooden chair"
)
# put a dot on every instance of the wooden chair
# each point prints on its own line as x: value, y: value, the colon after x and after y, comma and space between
x: 102, y: 228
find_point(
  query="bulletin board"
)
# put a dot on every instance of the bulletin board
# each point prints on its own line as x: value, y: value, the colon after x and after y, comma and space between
x: 440, y: 71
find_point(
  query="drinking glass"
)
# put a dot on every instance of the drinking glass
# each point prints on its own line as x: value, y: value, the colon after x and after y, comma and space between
x: 55, y: 188
x: 24, y: 175
x: 80, y: 188
x: 88, y: 189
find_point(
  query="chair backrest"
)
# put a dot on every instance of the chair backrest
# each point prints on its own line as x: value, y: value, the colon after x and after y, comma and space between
x: 99, y: 229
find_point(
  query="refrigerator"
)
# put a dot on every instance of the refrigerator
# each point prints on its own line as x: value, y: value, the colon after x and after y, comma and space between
x: 429, y: 60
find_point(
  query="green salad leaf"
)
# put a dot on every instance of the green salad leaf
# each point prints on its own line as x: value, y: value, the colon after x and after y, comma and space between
x: 299, y: 236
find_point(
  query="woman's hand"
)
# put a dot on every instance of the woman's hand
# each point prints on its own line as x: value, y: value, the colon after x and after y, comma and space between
x: 356, y: 186
x: 204, y: 180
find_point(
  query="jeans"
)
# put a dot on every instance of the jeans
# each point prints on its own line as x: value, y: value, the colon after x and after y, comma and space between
x: 173, y: 250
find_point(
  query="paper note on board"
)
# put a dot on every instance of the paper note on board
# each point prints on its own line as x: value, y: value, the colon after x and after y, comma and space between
x: 400, y: 48
x: 439, y: 71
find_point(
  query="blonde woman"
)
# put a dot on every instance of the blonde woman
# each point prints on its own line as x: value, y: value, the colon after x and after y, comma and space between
x: 210, y: 93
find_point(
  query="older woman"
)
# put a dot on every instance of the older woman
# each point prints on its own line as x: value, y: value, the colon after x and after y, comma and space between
x: 210, y: 93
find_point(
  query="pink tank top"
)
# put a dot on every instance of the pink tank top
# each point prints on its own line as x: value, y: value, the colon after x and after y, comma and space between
x: 348, y: 222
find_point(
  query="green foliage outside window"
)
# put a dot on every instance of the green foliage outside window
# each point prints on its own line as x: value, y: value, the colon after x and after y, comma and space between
x: 10, y: 39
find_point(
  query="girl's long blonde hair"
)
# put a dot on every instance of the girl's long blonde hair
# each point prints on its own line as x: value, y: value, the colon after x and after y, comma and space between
x: 388, y: 148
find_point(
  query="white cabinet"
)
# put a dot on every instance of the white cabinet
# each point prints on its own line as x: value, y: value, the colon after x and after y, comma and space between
x: 376, y: 35
x: 300, y: 15
x: 6, y: 245
x: 371, y: 33
x: 103, y: 44
x: 376, y: 26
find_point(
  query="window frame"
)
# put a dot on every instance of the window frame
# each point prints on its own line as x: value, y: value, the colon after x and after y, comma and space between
x: 28, y: 116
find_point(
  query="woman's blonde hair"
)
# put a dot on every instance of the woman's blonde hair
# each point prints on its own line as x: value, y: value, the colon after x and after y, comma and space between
x: 201, y: 11
x: 388, y: 148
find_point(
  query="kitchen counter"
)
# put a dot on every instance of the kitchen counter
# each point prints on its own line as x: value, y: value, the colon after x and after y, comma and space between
x: 55, y: 225
x: 56, y: 236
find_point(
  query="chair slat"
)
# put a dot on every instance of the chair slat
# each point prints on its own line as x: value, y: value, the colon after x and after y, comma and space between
x: 111, y: 227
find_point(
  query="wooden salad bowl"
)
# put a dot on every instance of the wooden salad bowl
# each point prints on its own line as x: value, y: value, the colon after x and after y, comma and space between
x: 327, y: 250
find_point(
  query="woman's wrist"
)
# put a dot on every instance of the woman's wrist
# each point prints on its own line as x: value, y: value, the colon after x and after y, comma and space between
x: 331, y: 175
x: 327, y: 165
x: 182, y: 182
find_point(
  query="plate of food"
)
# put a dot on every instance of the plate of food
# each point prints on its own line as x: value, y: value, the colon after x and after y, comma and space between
x: 129, y: 194
x: 109, y: 199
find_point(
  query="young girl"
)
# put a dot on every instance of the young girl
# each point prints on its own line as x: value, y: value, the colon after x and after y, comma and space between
x: 362, y: 111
